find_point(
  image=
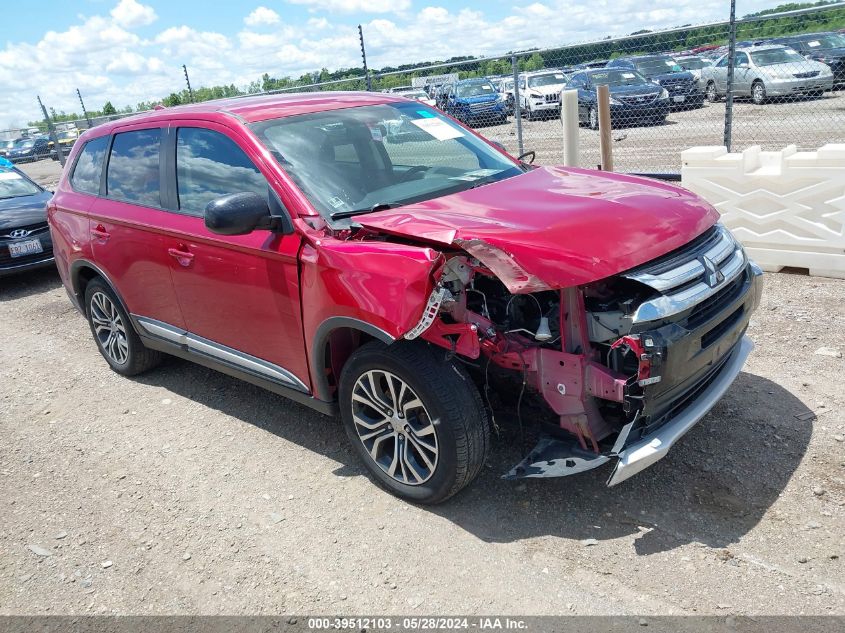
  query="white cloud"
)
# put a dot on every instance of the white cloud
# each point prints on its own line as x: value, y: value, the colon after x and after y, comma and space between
x: 108, y: 60
x: 356, y: 6
x: 132, y: 14
x: 261, y: 15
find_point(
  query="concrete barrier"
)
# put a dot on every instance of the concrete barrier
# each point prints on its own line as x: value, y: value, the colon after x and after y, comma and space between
x: 786, y: 207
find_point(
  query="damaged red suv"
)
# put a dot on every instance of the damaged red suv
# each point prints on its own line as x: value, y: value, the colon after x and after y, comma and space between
x: 366, y: 254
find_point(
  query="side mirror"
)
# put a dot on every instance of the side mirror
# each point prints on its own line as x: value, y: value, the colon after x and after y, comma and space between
x: 240, y: 213
x: 528, y: 157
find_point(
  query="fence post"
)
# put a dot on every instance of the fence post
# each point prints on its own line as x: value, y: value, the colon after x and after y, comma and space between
x: 517, y: 107
x: 84, y: 111
x: 52, y: 132
x: 571, y: 131
x: 729, y: 94
x: 605, y: 139
x: 188, y: 81
x: 364, y: 58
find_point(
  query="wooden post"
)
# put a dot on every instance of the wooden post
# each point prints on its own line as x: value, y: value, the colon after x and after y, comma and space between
x: 605, y: 138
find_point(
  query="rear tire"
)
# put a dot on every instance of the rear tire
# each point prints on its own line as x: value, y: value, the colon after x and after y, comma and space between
x: 116, y: 339
x: 415, y: 419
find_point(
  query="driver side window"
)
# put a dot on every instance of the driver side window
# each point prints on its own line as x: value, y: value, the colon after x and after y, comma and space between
x: 723, y: 63
x: 741, y: 58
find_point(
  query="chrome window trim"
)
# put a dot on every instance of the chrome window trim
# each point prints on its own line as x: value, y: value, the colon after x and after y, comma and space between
x: 200, y: 345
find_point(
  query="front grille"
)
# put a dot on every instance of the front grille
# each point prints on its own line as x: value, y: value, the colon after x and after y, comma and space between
x: 692, y: 277
x: 638, y: 100
x: 806, y: 75
x: 34, y: 231
x: 481, y: 107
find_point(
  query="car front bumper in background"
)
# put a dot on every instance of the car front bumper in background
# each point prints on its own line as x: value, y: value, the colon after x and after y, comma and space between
x: 782, y: 87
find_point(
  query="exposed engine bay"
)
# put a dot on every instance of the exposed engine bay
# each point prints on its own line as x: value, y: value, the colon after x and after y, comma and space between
x: 581, y: 360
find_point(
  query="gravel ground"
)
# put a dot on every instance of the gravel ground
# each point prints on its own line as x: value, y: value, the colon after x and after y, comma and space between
x: 184, y: 491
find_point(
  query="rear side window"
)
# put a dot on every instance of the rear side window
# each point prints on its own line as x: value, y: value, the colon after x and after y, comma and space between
x: 89, y: 166
x: 133, y: 171
x: 210, y: 165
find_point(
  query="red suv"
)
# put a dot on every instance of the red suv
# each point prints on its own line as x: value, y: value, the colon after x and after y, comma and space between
x: 366, y: 254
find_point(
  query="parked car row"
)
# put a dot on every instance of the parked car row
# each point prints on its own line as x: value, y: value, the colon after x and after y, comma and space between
x: 37, y: 146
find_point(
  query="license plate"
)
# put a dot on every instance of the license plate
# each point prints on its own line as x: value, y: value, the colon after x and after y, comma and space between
x: 678, y: 99
x: 28, y: 247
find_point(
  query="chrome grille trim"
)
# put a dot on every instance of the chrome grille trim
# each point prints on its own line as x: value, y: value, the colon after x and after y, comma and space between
x: 677, y: 287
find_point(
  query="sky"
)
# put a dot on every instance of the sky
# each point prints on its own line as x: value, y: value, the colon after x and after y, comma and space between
x: 127, y: 51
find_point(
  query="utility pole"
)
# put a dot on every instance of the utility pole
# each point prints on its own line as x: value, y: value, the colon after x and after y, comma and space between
x: 52, y: 132
x: 188, y: 81
x: 364, y: 57
x: 84, y: 111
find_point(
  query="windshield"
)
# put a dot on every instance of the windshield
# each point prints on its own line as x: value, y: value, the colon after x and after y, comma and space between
x: 546, y: 80
x: 657, y: 66
x: 474, y: 89
x: 357, y: 160
x: 25, y: 144
x: 66, y: 135
x: 776, y: 56
x: 13, y: 185
x: 825, y: 41
x: 7, y: 144
x: 614, y: 77
x: 694, y: 63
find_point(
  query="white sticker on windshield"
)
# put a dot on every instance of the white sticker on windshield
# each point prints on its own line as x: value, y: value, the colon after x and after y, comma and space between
x: 438, y: 128
x: 376, y: 132
x: 9, y: 175
x: 628, y: 75
x: 814, y: 44
x: 559, y: 76
x: 336, y: 202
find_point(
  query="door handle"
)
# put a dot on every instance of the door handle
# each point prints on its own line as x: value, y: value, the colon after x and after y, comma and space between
x: 181, y: 255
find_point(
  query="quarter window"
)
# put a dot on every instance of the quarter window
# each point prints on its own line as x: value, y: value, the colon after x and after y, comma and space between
x: 89, y: 166
x: 133, y: 171
x: 210, y: 165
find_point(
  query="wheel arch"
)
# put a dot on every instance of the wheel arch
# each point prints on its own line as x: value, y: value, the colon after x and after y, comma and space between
x: 333, y: 343
x: 82, y: 272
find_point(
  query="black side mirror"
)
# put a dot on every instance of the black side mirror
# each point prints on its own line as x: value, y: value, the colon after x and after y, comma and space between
x: 528, y: 157
x: 242, y: 213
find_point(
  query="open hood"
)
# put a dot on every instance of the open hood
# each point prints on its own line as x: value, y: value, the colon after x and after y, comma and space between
x: 555, y: 227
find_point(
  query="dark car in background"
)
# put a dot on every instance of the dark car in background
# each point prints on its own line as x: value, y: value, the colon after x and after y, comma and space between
x: 682, y: 85
x: 6, y: 146
x: 827, y: 48
x: 24, y: 236
x: 633, y: 98
x: 27, y: 149
x: 475, y: 101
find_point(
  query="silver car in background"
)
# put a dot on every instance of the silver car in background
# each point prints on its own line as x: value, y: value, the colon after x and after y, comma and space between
x: 694, y: 65
x: 761, y: 72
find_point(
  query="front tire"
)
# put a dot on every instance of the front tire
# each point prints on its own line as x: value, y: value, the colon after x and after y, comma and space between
x: 415, y: 419
x: 113, y: 332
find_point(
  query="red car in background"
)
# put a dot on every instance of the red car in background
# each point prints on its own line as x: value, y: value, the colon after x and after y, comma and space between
x: 366, y: 254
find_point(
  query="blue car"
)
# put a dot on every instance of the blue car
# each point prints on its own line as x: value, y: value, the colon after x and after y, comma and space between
x: 681, y: 84
x: 633, y: 98
x: 24, y: 236
x: 475, y: 101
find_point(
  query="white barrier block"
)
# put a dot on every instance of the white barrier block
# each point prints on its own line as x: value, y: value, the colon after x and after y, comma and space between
x: 786, y: 207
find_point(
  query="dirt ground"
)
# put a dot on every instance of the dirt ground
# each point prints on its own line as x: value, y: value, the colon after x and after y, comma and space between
x: 184, y: 491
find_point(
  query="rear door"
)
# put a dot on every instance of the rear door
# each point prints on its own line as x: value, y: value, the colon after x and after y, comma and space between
x: 128, y: 224
x: 239, y: 294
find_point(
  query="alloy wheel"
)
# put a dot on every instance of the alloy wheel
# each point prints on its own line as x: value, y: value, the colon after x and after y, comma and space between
x: 394, y: 427
x: 109, y: 328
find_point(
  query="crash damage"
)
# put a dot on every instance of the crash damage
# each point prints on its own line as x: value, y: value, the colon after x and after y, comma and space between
x: 610, y: 366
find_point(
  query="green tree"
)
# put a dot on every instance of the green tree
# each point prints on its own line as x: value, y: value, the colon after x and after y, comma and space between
x: 172, y: 100
x: 108, y: 109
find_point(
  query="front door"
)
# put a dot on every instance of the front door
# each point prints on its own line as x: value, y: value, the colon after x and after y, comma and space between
x: 239, y: 294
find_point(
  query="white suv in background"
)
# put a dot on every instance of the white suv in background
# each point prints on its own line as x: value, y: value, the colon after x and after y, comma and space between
x: 539, y: 92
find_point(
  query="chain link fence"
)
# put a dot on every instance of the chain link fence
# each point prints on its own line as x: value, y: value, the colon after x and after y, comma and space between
x: 772, y: 79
